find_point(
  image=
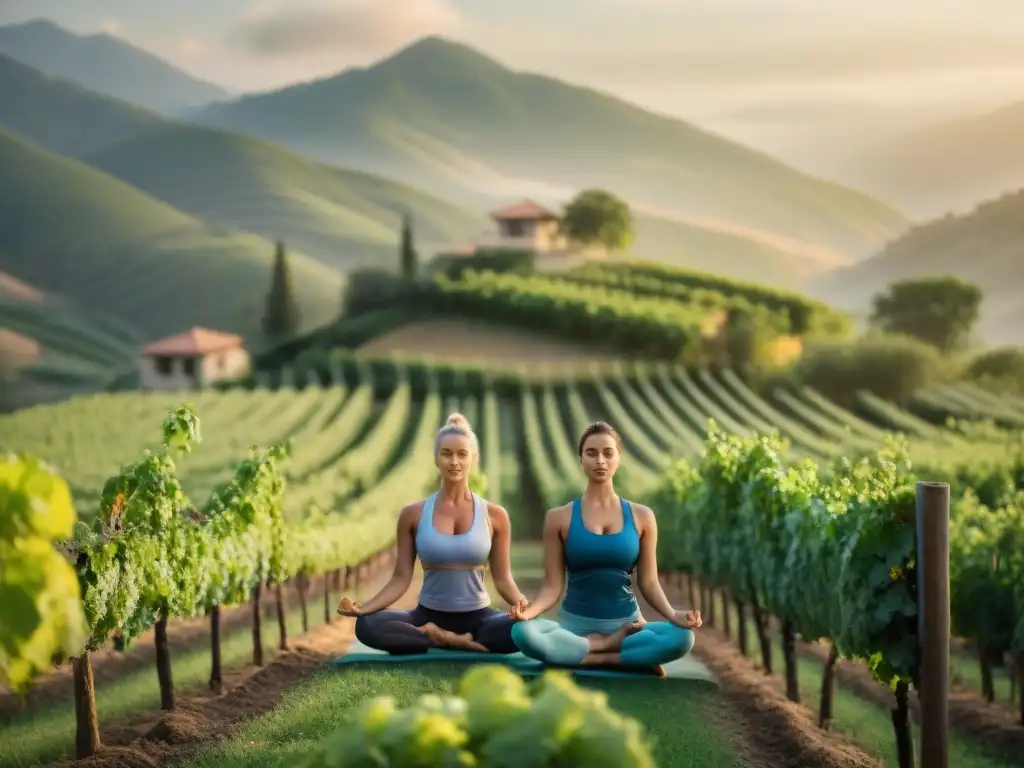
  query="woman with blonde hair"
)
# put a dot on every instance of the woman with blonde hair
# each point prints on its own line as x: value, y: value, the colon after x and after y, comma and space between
x: 455, y: 534
x: 594, y: 543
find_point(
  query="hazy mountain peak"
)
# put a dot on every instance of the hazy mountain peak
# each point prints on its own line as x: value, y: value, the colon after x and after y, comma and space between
x: 106, y: 64
x: 437, y: 50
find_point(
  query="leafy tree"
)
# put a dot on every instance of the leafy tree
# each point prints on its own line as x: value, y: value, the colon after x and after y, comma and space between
x: 281, y: 317
x: 938, y: 311
x: 890, y: 367
x: 409, y: 259
x: 742, y: 339
x: 1001, y: 369
x: 596, y: 216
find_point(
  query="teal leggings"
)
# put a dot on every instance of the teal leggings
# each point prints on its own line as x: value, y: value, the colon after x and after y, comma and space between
x: 548, y: 641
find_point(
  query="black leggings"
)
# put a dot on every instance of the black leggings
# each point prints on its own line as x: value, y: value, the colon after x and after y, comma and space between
x: 396, y: 633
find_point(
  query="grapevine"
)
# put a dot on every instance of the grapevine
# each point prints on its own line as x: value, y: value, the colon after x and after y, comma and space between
x: 41, y: 616
x: 495, y: 721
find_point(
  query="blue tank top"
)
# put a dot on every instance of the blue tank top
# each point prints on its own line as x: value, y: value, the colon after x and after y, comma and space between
x: 454, y: 564
x: 598, y: 568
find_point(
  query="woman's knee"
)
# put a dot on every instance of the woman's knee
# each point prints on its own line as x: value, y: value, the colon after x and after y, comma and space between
x: 677, y: 641
x: 657, y: 643
x: 547, y: 641
x: 529, y: 634
x: 364, y: 631
x: 683, y: 640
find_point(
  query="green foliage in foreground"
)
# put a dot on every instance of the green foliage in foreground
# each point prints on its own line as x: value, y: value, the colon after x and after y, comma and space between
x: 40, y: 610
x: 496, y: 721
x: 831, y: 551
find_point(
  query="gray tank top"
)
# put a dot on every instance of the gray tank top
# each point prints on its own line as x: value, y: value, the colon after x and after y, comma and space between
x: 459, y: 588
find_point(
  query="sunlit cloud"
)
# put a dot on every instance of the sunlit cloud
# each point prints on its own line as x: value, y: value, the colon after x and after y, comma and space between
x: 277, y: 29
x: 193, y: 47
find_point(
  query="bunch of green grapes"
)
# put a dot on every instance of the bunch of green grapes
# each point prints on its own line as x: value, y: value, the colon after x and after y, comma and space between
x: 495, y: 721
x: 41, y: 617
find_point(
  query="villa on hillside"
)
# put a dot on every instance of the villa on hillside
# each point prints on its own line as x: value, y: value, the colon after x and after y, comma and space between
x: 524, y: 225
x: 195, y: 358
x: 529, y: 226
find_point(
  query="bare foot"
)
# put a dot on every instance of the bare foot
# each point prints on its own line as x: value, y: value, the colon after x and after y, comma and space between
x: 445, y: 639
x: 613, y: 642
x: 601, y: 659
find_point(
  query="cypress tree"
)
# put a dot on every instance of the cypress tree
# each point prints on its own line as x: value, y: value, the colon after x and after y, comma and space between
x: 282, y: 312
x: 408, y: 251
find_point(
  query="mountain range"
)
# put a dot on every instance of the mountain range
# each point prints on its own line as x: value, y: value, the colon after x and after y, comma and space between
x: 950, y: 166
x: 76, y: 232
x: 984, y: 246
x: 134, y: 191
x: 108, y: 65
x: 64, y: 116
x: 446, y: 117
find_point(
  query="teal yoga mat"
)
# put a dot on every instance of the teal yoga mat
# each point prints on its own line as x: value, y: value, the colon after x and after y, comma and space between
x: 686, y: 668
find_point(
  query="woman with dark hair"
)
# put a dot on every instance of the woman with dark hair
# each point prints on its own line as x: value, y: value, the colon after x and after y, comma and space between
x: 455, y: 534
x: 594, y: 543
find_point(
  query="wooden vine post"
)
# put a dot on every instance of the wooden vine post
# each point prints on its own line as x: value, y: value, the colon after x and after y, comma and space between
x: 327, y: 598
x: 163, y: 662
x: 216, y: 674
x: 257, y: 627
x: 933, y: 620
x: 282, y: 618
x: 87, y: 724
x: 302, y: 588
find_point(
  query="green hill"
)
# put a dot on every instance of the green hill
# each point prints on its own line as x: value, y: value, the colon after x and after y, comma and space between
x: 985, y: 247
x: 108, y: 65
x: 74, y: 231
x: 63, y: 116
x: 953, y: 165
x: 735, y: 252
x: 344, y: 218
x: 447, y: 118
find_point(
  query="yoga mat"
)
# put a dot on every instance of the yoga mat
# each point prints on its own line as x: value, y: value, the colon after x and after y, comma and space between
x: 686, y: 668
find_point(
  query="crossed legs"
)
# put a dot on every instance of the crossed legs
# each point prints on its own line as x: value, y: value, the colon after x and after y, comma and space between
x: 417, y: 631
x: 633, y: 644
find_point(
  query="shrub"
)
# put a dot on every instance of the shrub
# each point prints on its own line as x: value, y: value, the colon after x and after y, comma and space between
x: 493, y: 722
x: 486, y: 260
x: 1001, y: 369
x: 890, y: 367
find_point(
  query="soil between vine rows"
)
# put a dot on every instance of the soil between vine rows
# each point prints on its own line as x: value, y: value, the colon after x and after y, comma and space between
x: 767, y: 730
x: 182, y: 635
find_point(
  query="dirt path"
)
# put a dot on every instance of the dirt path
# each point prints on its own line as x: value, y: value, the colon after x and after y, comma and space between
x: 989, y: 725
x: 770, y: 730
x: 155, y: 739
x: 182, y: 634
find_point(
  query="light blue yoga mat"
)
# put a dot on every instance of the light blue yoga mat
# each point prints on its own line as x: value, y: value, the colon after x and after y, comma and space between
x: 686, y: 668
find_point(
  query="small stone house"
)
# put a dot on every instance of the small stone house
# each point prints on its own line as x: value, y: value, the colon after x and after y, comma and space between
x: 195, y: 358
x: 526, y: 225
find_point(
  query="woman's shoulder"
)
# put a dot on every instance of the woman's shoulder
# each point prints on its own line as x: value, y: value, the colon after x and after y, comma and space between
x: 411, y: 513
x: 642, y: 514
x: 560, y: 514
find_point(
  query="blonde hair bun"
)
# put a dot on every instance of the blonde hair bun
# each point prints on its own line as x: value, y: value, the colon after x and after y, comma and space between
x: 457, y: 420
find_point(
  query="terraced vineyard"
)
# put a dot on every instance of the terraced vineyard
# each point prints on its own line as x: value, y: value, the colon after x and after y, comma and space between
x: 75, y: 351
x: 361, y: 437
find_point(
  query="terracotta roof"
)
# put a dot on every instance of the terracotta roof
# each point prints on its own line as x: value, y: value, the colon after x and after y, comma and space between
x: 195, y: 341
x: 525, y: 210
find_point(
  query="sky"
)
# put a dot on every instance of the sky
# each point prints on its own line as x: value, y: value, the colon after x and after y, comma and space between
x: 755, y: 69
